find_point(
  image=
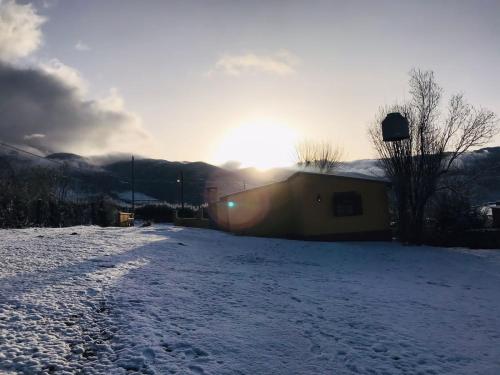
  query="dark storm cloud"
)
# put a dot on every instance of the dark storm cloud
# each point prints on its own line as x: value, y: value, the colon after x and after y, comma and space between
x: 43, y: 111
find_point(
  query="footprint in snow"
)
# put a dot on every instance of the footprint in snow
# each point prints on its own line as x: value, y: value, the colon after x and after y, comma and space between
x: 148, y: 353
x: 135, y: 301
x: 438, y: 284
x: 167, y: 348
x: 196, y: 369
x: 315, y: 349
x: 106, y: 265
x: 379, y: 348
x: 341, y: 352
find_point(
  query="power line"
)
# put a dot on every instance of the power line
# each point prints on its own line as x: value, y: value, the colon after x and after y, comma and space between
x: 30, y: 153
x: 117, y: 176
x: 62, y: 163
x: 120, y: 179
x: 17, y: 149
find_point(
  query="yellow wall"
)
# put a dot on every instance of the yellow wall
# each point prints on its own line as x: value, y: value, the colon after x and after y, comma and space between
x: 317, y: 218
x: 125, y: 219
x: 264, y: 211
x: 290, y: 208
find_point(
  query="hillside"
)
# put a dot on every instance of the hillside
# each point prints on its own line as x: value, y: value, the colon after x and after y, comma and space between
x: 485, y: 167
x: 156, y: 179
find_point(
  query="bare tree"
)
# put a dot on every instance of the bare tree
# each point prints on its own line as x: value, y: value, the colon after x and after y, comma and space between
x: 321, y: 156
x: 436, y: 142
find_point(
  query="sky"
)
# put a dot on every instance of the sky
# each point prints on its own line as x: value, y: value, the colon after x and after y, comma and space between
x: 231, y: 80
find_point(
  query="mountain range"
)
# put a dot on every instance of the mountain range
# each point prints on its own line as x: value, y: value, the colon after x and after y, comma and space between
x: 159, y: 180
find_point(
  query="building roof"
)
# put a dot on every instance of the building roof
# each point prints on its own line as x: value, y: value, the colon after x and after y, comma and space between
x: 351, y: 175
x: 348, y: 175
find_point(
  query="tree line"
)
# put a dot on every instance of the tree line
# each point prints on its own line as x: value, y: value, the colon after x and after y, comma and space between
x: 39, y: 196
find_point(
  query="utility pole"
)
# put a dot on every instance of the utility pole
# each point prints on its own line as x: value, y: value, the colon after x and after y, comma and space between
x: 133, y: 185
x: 182, y: 190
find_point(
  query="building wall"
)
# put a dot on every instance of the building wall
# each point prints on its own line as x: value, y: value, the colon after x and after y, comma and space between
x: 265, y: 211
x: 318, y: 219
x: 290, y: 208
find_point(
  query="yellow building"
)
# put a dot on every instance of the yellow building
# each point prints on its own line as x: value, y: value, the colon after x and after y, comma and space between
x: 311, y: 206
x: 125, y: 219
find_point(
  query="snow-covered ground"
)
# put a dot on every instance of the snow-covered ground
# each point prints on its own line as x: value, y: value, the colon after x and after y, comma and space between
x: 165, y: 300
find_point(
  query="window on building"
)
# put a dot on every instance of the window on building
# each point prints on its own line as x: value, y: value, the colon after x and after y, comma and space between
x: 347, y: 203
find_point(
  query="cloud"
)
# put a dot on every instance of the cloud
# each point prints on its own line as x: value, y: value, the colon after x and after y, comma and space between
x: 20, y: 32
x: 49, y: 3
x: 231, y: 165
x: 282, y: 63
x: 44, y: 107
x: 34, y: 136
x: 46, y: 111
x: 66, y: 74
x: 80, y: 46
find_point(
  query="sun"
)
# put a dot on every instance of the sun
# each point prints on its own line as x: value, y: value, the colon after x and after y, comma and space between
x: 262, y: 144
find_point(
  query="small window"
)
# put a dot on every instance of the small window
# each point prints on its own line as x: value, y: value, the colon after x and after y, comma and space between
x: 347, y: 204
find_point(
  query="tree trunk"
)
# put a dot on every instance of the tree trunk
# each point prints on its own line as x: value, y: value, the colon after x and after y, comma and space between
x: 402, y: 199
x: 417, y: 227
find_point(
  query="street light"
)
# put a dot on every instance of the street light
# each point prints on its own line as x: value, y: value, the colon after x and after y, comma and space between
x: 180, y: 180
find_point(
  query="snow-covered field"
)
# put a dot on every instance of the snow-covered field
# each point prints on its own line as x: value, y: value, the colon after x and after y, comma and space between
x: 165, y: 300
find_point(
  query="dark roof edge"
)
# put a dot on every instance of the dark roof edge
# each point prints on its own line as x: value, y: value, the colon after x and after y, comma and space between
x: 367, y: 179
x: 362, y: 177
x: 255, y: 188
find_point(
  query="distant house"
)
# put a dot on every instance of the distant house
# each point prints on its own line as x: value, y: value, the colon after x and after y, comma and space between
x: 125, y: 219
x: 309, y: 206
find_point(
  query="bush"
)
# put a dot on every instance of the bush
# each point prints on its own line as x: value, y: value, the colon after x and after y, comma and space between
x: 451, y: 216
x: 155, y: 213
x: 38, y: 197
x: 33, y: 198
x: 163, y: 213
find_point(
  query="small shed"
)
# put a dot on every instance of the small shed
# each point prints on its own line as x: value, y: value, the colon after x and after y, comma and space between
x: 309, y: 206
x: 125, y: 219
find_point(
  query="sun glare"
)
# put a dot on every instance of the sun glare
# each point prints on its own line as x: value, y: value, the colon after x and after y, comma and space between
x: 262, y: 145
